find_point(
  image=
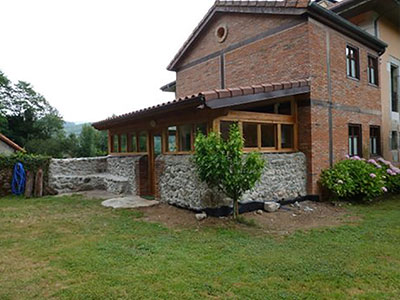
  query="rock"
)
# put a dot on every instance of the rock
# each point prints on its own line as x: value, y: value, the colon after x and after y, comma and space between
x: 294, y: 215
x: 201, y: 217
x: 271, y: 206
x: 308, y: 209
x: 259, y: 212
x: 297, y: 205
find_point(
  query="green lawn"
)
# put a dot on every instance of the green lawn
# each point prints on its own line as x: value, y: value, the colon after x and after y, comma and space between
x: 75, y: 249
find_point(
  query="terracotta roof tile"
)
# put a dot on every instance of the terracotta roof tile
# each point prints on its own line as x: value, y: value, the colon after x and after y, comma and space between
x: 211, y: 95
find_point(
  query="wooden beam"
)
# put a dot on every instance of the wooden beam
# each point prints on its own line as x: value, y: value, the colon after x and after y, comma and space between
x: 240, y: 100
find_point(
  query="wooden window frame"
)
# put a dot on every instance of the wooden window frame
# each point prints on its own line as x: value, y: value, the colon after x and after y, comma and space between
x: 349, y: 59
x: 359, y: 144
x: 373, y: 64
x: 177, y: 138
x: 263, y: 118
x: 379, y: 142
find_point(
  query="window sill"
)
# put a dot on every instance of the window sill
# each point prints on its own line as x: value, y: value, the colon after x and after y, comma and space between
x: 373, y: 85
x: 353, y: 78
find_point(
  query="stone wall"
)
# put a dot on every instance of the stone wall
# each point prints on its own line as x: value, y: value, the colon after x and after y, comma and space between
x: 5, y: 149
x: 5, y: 181
x: 283, y: 178
x: 113, y: 174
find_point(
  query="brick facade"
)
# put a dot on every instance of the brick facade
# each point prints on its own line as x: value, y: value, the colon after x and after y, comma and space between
x: 294, y: 49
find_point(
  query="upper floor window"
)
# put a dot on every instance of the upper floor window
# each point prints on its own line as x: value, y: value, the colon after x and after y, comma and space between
x: 352, y: 62
x: 355, y: 142
x: 373, y: 70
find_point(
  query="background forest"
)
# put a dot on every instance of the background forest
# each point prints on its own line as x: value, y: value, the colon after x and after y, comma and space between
x: 29, y: 120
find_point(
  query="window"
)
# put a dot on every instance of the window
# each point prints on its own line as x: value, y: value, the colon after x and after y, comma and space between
x: 143, y: 141
x: 375, y: 140
x: 287, y: 136
x: 224, y: 129
x: 268, y: 135
x: 124, y: 143
x: 394, y: 140
x: 250, y: 133
x: 115, y: 147
x: 200, y: 128
x: 172, y: 139
x: 355, y: 142
x: 352, y: 62
x: 372, y: 70
x: 134, y: 147
x: 394, y: 74
x: 185, y: 137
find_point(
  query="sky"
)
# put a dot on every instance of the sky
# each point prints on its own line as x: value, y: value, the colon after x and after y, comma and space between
x: 95, y: 58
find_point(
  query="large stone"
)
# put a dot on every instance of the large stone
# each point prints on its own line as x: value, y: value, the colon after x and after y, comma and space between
x: 128, y: 202
x: 201, y: 217
x: 271, y: 206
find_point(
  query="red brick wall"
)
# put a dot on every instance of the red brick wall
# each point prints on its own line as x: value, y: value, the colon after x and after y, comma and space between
x: 240, y: 27
x: 347, y: 95
x: 258, y: 62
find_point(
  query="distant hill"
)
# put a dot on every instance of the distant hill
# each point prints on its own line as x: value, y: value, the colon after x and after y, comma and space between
x: 71, y: 127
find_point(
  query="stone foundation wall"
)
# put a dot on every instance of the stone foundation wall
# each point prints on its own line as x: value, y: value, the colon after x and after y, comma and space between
x: 283, y: 178
x: 5, y: 182
x: 113, y: 174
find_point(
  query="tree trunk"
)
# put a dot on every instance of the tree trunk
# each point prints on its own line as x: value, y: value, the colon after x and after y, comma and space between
x: 235, y: 208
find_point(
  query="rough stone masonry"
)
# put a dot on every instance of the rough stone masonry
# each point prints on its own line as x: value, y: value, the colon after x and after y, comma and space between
x: 283, y: 178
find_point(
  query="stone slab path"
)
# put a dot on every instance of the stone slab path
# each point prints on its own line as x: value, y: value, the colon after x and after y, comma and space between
x: 128, y: 202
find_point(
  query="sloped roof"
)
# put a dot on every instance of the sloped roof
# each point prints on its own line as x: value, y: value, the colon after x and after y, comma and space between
x: 204, y: 98
x: 11, y: 143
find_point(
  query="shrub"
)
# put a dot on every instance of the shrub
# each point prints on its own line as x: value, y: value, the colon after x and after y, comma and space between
x: 222, y: 164
x: 356, y: 178
x: 31, y: 162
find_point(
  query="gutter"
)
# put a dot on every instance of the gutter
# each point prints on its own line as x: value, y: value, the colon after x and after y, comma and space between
x: 342, y: 25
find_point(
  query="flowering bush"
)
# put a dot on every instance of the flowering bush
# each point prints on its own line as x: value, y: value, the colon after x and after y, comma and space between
x: 356, y: 178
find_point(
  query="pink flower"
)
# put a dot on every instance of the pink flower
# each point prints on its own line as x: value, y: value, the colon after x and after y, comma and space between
x: 347, y: 156
x: 372, y: 175
x: 372, y: 161
x: 396, y: 170
x: 384, y: 190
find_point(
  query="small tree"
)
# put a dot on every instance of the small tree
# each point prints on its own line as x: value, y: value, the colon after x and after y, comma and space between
x: 221, y: 164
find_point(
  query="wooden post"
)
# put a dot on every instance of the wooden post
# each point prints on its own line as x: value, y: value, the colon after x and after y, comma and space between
x: 30, y: 178
x: 39, y: 183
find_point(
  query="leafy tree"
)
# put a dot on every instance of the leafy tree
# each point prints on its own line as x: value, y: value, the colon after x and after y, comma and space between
x: 223, y: 165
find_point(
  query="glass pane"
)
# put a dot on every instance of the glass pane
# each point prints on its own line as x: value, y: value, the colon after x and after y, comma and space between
x: 201, y: 127
x: 133, y: 143
x: 348, y: 66
x: 185, y: 133
x: 353, y: 68
x: 350, y: 147
x: 172, y: 139
x: 268, y: 135
x: 143, y: 142
x: 224, y: 129
x: 250, y: 135
x: 285, y: 108
x: 287, y: 136
x: 157, y: 145
x: 115, y: 143
x: 124, y: 143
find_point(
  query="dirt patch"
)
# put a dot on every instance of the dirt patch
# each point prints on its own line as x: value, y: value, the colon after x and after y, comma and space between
x: 303, y: 216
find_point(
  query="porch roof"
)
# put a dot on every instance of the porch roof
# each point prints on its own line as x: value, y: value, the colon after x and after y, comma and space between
x: 11, y: 143
x: 215, y: 99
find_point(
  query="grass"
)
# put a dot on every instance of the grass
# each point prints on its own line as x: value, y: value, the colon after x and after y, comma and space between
x: 72, y: 248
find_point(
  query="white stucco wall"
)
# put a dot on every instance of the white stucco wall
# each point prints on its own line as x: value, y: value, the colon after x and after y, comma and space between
x: 5, y: 148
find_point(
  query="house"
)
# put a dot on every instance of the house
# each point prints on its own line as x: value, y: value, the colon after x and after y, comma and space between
x: 7, y: 146
x: 381, y: 19
x: 293, y: 74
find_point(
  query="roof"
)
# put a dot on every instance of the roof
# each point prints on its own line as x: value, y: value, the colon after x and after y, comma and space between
x: 285, y: 7
x: 388, y: 8
x: 239, y: 95
x: 169, y: 87
x: 11, y: 143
